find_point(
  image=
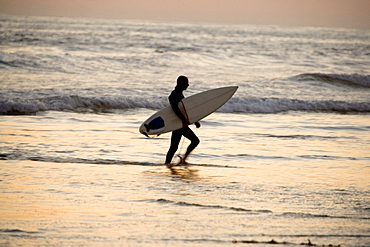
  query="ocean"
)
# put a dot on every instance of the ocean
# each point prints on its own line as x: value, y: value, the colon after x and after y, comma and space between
x: 285, y: 162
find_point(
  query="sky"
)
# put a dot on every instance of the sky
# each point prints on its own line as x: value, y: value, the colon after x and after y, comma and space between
x: 323, y: 13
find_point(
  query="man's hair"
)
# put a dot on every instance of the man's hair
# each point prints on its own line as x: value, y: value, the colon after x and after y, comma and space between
x: 182, y: 79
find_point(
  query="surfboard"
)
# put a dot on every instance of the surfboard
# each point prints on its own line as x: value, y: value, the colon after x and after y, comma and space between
x: 195, y: 108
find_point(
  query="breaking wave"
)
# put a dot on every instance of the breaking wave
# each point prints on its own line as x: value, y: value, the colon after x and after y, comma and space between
x: 277, y: 105
x: 76, y: 103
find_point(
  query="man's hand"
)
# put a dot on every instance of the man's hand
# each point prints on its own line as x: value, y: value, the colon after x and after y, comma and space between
x: 197, y: 124
x: 185, y: 123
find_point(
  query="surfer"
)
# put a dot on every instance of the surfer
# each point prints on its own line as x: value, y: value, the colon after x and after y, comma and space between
x: 175, y: 97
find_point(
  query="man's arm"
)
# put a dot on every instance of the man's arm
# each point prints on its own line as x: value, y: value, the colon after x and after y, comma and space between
x: 174, y: 101
x: 178, y: 112
x: 185, y: 121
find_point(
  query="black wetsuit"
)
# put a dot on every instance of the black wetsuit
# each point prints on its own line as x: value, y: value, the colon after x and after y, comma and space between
x: 175, y: 97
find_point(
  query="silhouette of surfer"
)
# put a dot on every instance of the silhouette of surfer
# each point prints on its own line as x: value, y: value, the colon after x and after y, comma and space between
x: 175, y: 98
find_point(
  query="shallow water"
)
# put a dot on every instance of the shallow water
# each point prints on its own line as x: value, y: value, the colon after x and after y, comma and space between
x: 285, y: 177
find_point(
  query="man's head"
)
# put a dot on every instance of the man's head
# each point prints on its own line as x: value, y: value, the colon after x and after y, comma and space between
x: 182, y: 82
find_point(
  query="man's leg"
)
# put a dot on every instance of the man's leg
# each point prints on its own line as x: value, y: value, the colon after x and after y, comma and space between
x: 189, y: 134
x: 175, y: 140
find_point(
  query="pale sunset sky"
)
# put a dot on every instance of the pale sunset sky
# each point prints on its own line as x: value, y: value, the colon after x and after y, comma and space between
x: 323, y: 13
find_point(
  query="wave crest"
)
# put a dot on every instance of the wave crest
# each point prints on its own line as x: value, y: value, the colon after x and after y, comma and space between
x: 76, y: 103
x: 340, y: 79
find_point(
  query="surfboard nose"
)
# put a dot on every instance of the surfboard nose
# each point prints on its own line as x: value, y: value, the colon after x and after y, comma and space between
x: 142, y: 131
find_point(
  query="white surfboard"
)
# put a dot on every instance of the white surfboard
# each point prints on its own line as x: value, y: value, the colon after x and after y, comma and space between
x: 196, y: 107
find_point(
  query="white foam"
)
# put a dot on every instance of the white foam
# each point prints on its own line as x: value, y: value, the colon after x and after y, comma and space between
x: 235, y: 105
x: 276, y: 105
x: 78, y: 104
